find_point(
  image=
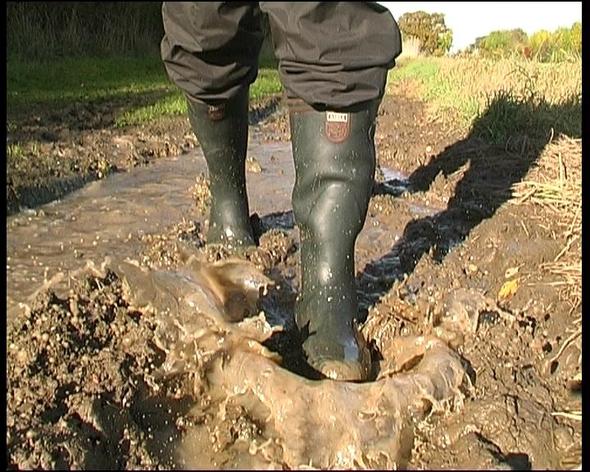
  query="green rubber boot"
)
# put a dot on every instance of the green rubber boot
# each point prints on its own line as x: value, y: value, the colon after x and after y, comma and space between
x: 222, y: 132
x: 334, y: 157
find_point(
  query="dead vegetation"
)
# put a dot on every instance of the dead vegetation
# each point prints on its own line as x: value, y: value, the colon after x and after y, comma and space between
x: 555, y: 184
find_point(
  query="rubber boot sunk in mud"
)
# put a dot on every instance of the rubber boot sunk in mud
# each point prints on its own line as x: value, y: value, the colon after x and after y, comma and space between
x: 334, y: 157
x: 222, y: 132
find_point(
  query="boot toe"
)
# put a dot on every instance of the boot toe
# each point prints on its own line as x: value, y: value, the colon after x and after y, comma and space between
x: 231, y: 238
x: 343, y: 360
x: 348, y: 371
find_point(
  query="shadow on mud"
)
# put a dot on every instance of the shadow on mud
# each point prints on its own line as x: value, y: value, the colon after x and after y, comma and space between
x: 282, y: 220
x: 516, y: 461
x: 523, y: 127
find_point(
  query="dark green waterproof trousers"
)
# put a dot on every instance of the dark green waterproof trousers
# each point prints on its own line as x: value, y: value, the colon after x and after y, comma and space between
x: 332, y: 55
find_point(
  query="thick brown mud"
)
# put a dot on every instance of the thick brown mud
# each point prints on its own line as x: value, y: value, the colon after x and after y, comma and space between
x: 109, y: 365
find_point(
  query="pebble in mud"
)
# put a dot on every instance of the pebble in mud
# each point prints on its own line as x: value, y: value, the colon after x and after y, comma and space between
x: 238, y: 426
x: 563, y: 437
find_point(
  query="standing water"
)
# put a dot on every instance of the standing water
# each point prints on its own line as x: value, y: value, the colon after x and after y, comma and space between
x: 108, y: 217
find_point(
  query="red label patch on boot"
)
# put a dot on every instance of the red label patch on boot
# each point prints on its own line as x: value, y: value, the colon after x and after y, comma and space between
x: 337, y: 126
x: 216, y: 112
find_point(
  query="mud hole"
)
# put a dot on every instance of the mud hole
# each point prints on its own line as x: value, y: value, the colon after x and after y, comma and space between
x: 119, y: 372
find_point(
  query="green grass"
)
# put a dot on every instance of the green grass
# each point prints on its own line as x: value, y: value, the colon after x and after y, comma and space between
x: 72, y: 80
x: 423, y: 69
x: 172, y: 104
x: 15, y: 151
x: 436, y: 87
x: 69, y: 80
x: 266, y: 84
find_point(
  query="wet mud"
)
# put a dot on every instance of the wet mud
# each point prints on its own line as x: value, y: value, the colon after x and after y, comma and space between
x: 134, y: 345
x: 52, y: 152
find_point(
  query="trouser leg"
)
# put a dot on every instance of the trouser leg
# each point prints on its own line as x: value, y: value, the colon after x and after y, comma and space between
x: 333, y: 54
x: 210, y: 49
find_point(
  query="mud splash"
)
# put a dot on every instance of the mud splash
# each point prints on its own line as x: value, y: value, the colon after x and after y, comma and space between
x: 225, y: 356
x: 202, y: 316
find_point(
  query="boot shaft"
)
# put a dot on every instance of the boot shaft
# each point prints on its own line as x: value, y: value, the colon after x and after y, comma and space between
x: 222, y: 132
x: 334, y: 157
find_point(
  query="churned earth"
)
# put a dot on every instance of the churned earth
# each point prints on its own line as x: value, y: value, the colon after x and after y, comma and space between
x: 151, y: 363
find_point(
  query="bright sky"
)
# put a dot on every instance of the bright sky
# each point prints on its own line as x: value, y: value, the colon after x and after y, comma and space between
x: 469, y: 20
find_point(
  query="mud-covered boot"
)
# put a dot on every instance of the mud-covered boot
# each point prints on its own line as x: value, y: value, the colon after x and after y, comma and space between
x: 222, y: 132
x: 334, y: 158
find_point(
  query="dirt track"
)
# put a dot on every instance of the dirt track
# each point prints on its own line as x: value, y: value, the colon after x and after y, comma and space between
x: 80, y: 394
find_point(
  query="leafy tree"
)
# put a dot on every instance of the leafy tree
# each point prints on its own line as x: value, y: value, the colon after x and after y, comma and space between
x: 563, y: 44
x: 502, y: 43
x: 430, y: 28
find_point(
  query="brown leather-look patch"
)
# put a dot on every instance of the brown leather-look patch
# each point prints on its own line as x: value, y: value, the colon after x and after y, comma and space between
x: 337, y: 126
x: 216, y: 112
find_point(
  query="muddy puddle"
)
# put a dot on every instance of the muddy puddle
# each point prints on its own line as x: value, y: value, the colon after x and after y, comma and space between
x: 109, y: 217
x: 121, y: 373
